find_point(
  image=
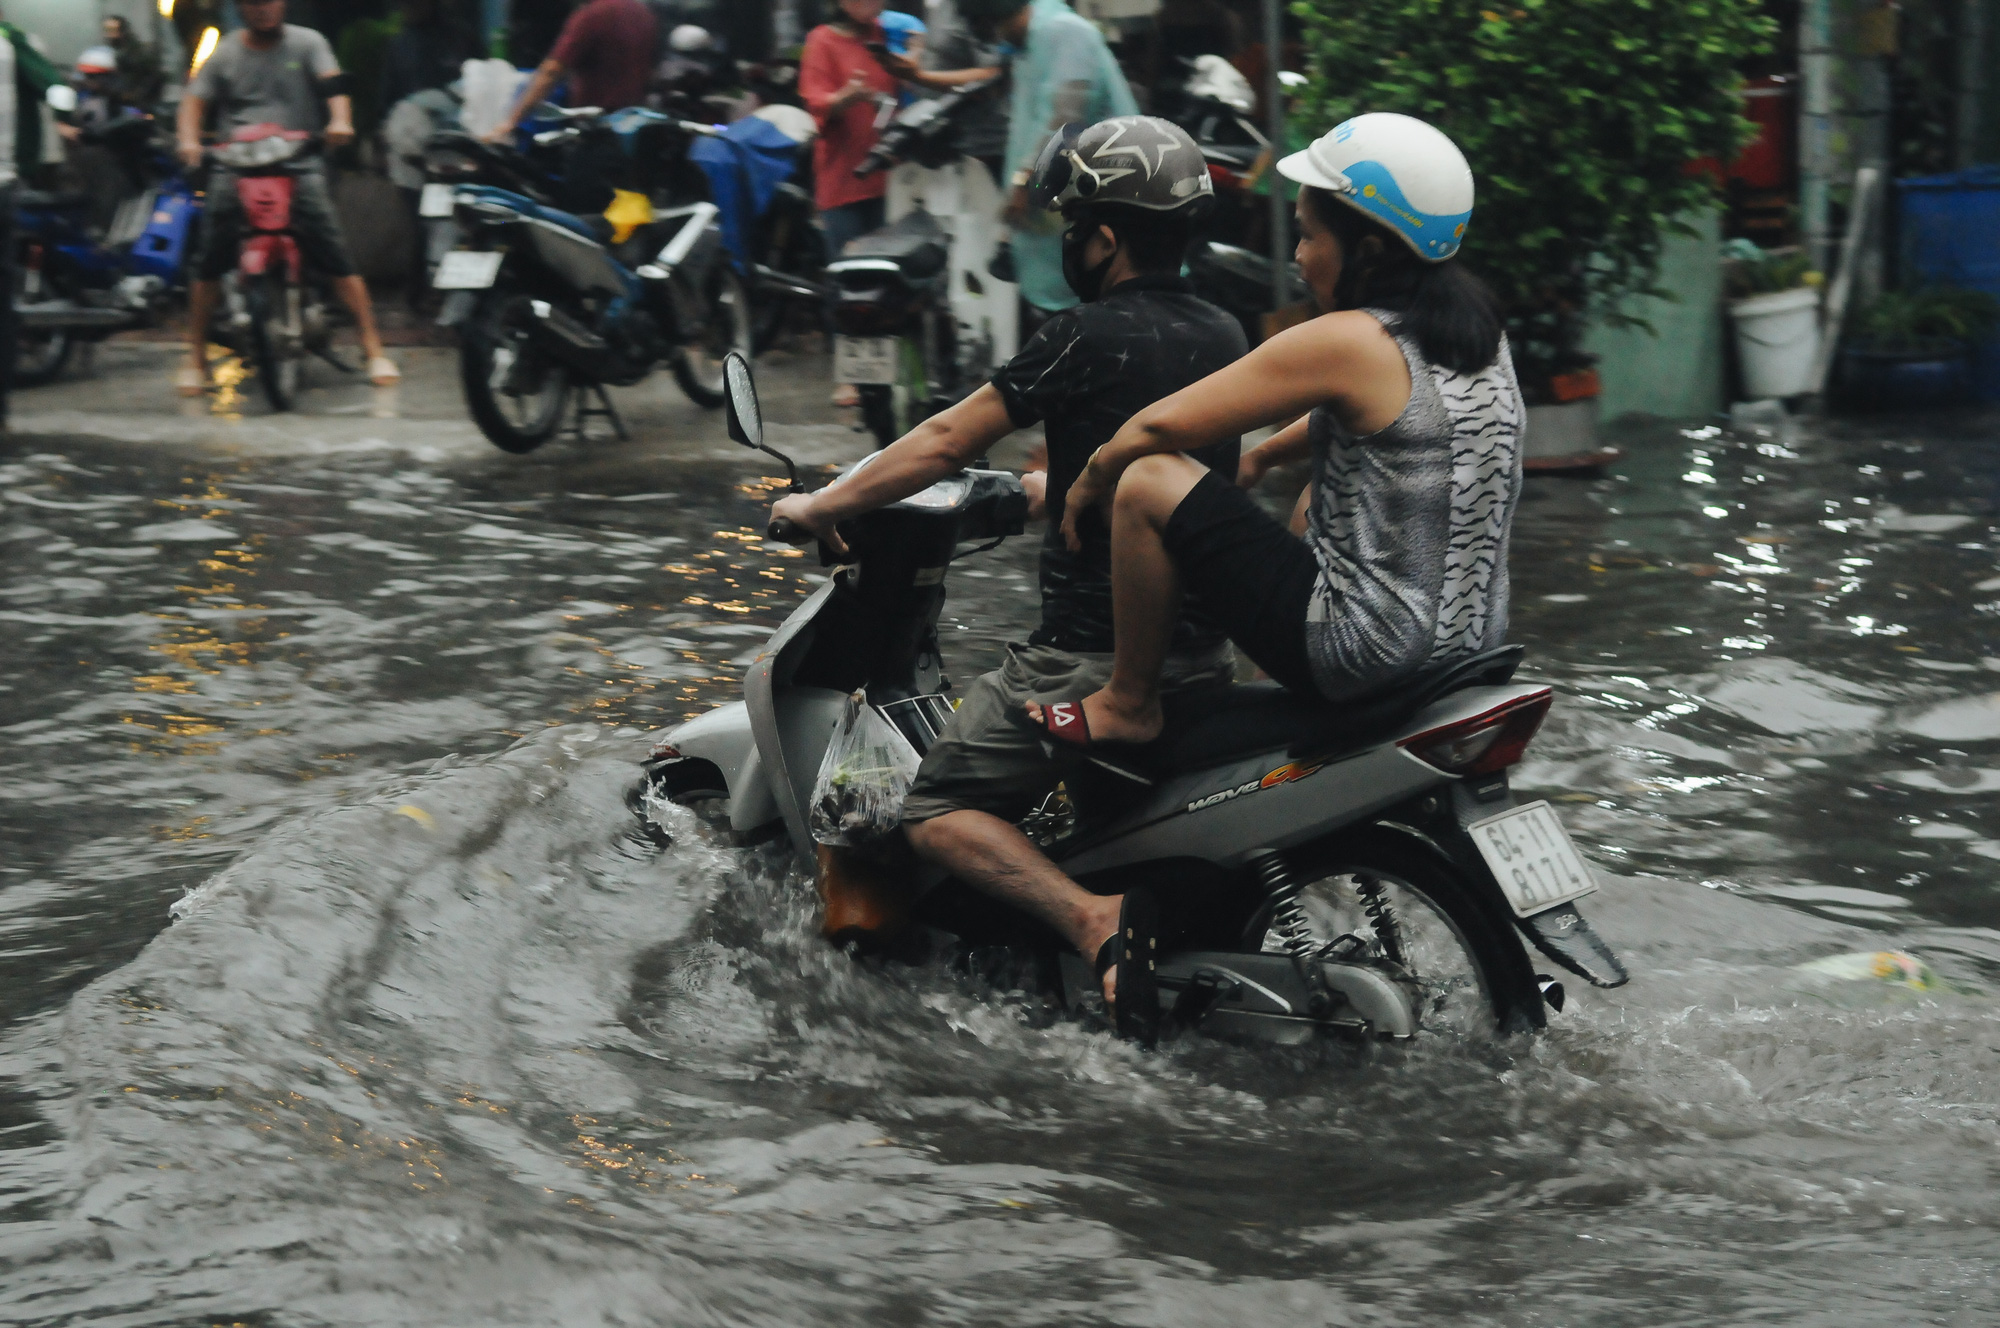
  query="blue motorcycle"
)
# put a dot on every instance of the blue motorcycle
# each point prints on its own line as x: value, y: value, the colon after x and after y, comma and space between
x: 552, y: 306
x: 80, y: 283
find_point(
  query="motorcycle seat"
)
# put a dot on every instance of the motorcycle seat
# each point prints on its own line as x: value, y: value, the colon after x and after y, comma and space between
x: 914, y: 242
x: 1212, y: 726
x: 67, y: 201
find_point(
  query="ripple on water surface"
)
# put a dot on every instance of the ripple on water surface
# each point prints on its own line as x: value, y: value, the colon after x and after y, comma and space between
x: 443, y: 1042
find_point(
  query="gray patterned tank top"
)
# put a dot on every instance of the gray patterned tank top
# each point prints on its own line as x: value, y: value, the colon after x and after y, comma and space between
x: 1410, y: 526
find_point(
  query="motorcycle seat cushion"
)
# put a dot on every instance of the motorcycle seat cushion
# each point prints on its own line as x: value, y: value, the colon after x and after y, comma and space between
x: 1211, y: 726
x: 914, y: 242
x: 65, y: 201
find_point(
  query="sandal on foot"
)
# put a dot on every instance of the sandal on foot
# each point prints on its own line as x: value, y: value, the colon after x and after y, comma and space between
x: 190, y: 381
x: 1064, y: 728
x: 1135, y: 950
x: 382, y: 372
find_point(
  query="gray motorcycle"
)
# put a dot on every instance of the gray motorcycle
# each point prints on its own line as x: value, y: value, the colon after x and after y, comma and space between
x: 1361, y: 871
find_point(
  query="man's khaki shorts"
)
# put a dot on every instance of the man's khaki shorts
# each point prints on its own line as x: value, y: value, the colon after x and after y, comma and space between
x: 985, y: 761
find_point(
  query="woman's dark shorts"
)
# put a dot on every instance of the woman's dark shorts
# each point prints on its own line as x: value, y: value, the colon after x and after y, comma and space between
x: 1251, y: 577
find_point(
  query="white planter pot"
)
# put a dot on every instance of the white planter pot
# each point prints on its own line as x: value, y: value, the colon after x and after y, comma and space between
x: 1777, y: 341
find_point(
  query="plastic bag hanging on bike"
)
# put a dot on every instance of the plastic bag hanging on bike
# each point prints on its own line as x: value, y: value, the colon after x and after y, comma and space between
x: 863, y: 778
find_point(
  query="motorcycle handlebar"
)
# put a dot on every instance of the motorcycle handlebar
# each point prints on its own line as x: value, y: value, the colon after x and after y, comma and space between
x: 787, y: 531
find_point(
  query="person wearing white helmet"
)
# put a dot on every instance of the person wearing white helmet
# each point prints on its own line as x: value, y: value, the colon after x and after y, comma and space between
x: 1402, y: 393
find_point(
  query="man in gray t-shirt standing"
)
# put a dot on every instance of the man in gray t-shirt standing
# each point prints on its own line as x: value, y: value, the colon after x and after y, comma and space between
x: 271, y: 73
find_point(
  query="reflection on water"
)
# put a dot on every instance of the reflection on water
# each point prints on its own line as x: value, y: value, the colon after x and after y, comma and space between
x: 436, y: 1039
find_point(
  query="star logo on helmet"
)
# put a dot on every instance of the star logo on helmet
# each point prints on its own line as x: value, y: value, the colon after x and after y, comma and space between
x: 1115, y: 146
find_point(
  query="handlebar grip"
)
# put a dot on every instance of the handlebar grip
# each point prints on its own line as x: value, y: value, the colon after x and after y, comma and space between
x: 787, y: 531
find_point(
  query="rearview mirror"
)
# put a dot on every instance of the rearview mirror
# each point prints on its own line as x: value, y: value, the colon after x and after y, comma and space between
x: 746, y: 420
x: 61, y: 98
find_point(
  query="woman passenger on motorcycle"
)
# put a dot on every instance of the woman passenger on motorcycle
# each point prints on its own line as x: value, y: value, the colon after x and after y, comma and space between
x: 1412, y: 418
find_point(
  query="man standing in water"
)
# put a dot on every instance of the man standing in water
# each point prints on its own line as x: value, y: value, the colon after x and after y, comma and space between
x: 271, y: 73
x: 1140, y: 334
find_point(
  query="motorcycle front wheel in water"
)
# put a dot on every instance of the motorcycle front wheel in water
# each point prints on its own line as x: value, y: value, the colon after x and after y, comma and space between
x: 698, y: 364
x: 516, y: 393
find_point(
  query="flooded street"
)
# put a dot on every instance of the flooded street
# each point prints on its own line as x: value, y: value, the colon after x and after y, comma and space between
x: 336, y: 987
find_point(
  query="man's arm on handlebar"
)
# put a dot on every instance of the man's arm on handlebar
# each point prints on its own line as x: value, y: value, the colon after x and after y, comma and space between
x: 940, y: 446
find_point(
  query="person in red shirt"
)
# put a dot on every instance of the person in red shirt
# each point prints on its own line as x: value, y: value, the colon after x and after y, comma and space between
x: 843, y: 85
x: 606, y: 50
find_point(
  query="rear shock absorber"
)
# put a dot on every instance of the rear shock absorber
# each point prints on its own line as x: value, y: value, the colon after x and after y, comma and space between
x: 1294, y: 928
x: 1288, y: 916
x: 1375, y: 903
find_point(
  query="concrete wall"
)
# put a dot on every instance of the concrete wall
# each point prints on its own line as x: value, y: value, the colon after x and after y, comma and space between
x: 1677, y: 369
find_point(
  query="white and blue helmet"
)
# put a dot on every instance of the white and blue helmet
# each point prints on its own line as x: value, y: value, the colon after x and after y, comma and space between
x: 1400, y: 171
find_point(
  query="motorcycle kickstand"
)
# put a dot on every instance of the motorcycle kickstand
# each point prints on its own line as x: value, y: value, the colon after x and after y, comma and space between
x: 578, y: 425
x: 326, y: 353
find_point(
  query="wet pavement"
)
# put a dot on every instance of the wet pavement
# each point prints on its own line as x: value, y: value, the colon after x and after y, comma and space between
x: 335, y: 988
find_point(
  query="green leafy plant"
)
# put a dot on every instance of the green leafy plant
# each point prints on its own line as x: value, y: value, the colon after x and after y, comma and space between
x: 1754, y: 271
x: 1935, y: 318
x: 1583, y: 121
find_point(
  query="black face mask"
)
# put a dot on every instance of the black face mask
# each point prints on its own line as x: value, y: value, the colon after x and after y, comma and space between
x: 1087, y: 282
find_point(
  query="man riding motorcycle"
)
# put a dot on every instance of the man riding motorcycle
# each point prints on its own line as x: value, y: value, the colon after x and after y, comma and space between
x: 1128, y: 189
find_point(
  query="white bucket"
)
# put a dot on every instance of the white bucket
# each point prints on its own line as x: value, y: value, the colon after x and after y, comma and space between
x: 1777, y: 341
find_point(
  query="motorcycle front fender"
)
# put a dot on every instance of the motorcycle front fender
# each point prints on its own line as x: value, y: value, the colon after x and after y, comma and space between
x: 724, y: 738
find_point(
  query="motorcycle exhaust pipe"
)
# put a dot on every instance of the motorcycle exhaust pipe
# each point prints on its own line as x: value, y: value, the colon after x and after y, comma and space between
x: 564, y: 339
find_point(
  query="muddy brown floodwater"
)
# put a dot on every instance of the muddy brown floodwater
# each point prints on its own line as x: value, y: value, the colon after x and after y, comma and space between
x: 336, y: 989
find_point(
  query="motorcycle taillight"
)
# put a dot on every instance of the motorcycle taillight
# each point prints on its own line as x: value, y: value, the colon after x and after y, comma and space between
x: 1486, y: 742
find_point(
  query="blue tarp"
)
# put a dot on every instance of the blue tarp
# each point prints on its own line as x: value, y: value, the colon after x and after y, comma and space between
x: 745, y: 164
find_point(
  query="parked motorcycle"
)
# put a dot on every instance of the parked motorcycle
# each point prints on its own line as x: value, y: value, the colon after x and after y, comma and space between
x: 554, y: 307
x: 1361, y: 870
x: 78, y: 284
x: 766, y: 212
x: 275, y: 311
x: 919, y: 321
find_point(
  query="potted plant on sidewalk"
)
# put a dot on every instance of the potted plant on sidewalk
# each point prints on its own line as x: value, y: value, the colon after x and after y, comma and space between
x: 1912, y: 349
x: 1580, y: 120
x: 1774, y: 309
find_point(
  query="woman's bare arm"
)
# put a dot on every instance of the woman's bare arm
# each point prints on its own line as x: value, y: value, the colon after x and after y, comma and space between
x: 1287, y: 444
x: 1344, y: 360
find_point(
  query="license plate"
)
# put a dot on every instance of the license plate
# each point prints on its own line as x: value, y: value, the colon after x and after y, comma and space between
x: 1531, y: 855
x: 864, y: 359
x: 436, y: 201
x: 468, y: 269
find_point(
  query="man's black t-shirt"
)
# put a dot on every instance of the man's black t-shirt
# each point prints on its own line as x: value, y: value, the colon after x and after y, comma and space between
x: 1082, y: 375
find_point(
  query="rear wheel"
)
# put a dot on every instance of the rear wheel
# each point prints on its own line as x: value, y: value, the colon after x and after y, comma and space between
x: 698, y: 364
x: 277, y: 338
x: 41, y: 355
x: 1382, y: 903
x: 515, y: 392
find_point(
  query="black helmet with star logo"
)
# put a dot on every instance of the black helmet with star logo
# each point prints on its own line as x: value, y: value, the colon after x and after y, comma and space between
x: 1137, y: 161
